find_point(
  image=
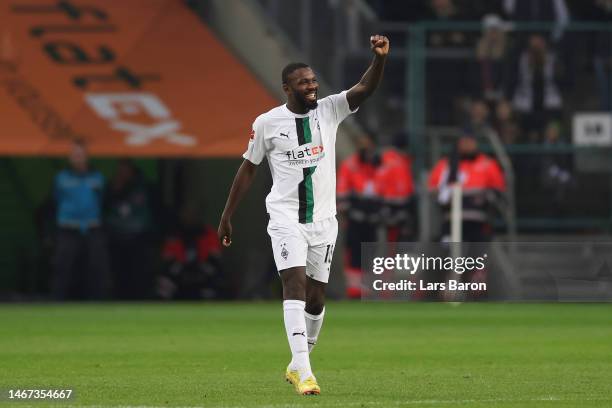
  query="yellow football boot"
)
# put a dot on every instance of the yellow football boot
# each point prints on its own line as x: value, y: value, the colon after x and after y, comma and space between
x: 308, y: 387
x: 292, y: 377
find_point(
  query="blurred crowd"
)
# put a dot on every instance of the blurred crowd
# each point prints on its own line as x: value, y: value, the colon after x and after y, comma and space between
x: 522, y: 77
x: 107, y: 239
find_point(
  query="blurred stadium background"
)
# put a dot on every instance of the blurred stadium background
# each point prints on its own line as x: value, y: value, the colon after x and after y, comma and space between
x: 164, y: 93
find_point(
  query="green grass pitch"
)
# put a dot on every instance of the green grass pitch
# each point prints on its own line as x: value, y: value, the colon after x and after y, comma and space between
x: 369, y: 355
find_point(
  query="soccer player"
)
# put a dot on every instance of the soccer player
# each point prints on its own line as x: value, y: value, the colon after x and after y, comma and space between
x: 298, y: 140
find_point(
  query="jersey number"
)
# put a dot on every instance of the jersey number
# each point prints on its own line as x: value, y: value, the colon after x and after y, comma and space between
x: 329, y: 253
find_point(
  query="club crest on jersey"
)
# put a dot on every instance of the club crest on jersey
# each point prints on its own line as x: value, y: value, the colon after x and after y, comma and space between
x: 305, y: 155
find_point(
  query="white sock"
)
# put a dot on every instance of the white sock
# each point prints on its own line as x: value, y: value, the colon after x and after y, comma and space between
x: 313, y: 327
x: 295, y: 325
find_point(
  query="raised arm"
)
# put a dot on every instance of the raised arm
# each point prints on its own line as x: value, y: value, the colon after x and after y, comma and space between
x: 242, y: 182
x: 373, y: 75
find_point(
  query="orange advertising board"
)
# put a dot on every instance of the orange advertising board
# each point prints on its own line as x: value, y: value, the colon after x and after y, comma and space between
x: 132, y: 78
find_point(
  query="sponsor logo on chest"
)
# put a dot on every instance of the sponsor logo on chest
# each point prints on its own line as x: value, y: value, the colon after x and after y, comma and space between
x: 305, y: 155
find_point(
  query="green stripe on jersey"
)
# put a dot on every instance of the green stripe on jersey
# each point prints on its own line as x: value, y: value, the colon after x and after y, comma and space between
x: 305, y: 188
x: 306, y: 127
x: 309, y: 193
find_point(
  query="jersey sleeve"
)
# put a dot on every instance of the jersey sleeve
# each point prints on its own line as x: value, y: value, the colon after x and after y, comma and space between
x: 256, y: 150
x: 338, y: 106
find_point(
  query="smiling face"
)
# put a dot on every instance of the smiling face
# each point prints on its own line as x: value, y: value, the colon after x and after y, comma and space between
x: 302, y: 88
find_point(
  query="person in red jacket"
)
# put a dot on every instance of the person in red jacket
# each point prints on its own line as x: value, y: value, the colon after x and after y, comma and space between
x: 482, y: 182
x: 374, y: 188
x: 191, y: 260
x: 396, y: 186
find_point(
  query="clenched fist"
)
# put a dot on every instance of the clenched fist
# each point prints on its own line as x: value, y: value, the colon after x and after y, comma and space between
x: 379, y: 45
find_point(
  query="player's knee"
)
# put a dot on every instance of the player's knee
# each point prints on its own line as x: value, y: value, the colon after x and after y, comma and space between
x: 294, y: 285
x: 315, y: 297
x: 294, y: 292
x: 314, y: 307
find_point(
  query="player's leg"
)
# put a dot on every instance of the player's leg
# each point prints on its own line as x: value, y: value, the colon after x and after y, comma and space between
x: 289, y: 248
x: 318, y: 265
x: 294, y: 295
x: 299, y: 372
x: 315, y: 310
x: 294, y: 283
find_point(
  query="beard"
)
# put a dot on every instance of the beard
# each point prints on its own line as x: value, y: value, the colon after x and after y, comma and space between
x: 310, y: 105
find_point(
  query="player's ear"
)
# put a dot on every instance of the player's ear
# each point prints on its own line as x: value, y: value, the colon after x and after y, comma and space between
x: 286, y: 88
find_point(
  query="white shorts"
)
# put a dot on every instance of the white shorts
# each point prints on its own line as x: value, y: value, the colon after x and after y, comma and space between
x: 310, y: 245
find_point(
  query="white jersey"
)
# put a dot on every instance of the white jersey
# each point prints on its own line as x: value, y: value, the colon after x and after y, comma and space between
x: 301, y: 153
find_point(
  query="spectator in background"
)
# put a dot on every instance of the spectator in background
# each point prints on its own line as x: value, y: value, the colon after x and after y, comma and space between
x: 191, y: 257
x: 129, y: 220
x: 359, y: 205
x: 446, y: 83
x: 549, y: 11
x: 537, y: 96
x: 445, y: 87
x: 478, y: 123
x: 374, y: 190
x: 556, y: 173
x: 491, y: 53
x: 540, y: 10
x: 396, y: 184
x: 446, y: 10
x: 78, y: 193
x: 505, y: 124
x: 482, y: 182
